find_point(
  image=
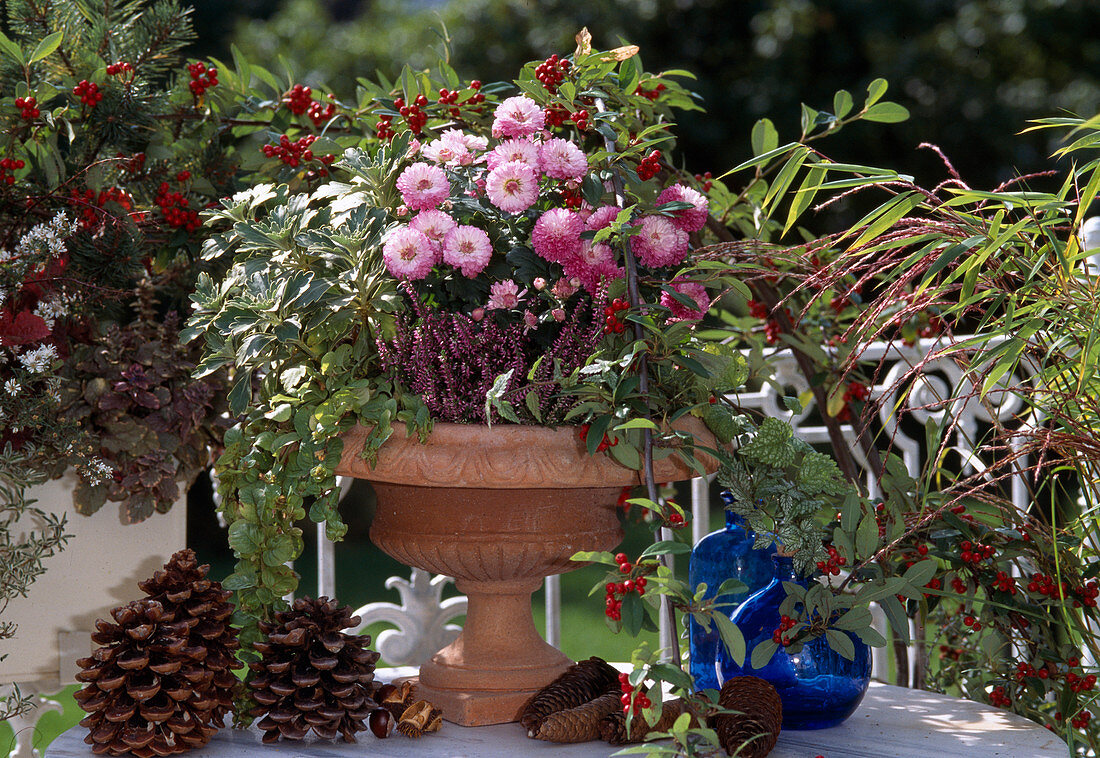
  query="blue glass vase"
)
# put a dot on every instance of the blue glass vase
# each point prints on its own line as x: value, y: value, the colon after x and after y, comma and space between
x: 721, y: 555
x: 818, y: 686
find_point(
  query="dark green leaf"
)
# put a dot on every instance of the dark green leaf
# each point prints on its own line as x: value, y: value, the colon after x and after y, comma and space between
x: 731, y: 637
x: 867, y: 536
x: 632, y: 612
x: 241, y: 394
x: 731, y: 587
x: 763, y: 653
x: 920, y: 574
x: 666, y: 547
x: 245, y: 537
x: 895, y: 612
x: 841, y: 643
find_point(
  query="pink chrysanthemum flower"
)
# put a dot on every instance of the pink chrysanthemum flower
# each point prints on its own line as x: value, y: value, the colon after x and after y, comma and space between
x: 423, y: 186
x: 591, y: 264
x: 468, y: 249
x: 556, y: 236
x: 689, y: 219
x: 602, y: 217
x: 518, y: 117
x: 471, y: 142
x: 659, y: 243
x: 434, y: 224
x: 561, y: 159
x: 693, y: 290
x: 513, y: 187
x: 504, y: 295
x: 409, y: 254
x: 523, y: 150
x: 449, y: 152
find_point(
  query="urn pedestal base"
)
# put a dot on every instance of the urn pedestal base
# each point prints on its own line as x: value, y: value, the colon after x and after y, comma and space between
x: 499, y: 510
x: 497, y: 664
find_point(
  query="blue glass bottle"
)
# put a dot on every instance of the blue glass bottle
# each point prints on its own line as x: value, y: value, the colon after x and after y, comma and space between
x: 818, y: 686
x: 721, y: 555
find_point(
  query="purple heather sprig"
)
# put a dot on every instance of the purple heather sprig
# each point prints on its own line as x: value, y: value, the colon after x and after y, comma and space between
x: 452, y: 360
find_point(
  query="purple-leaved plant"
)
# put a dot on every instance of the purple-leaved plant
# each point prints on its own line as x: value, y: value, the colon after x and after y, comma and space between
x: 451, y: 361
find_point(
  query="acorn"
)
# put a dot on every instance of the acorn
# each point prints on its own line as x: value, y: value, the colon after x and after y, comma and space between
x: 381, y: 723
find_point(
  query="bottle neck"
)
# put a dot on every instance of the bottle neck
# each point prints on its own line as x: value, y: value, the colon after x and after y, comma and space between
x: 734, y: 521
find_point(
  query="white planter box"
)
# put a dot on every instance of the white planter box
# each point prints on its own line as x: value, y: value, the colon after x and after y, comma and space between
x: 98, y: 570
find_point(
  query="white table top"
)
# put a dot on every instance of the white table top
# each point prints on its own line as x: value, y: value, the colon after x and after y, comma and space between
x: 891, y: 722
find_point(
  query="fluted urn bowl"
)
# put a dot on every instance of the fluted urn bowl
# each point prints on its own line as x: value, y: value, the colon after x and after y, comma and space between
x: 499, y: 509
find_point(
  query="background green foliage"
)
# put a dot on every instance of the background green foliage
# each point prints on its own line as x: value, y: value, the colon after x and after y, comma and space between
x: 970, y: 71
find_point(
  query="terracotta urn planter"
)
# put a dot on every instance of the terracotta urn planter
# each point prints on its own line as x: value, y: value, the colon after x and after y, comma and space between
x: 498, y: 509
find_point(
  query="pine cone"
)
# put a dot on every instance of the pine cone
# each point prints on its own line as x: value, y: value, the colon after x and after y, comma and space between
x: 581, y: 683
x: 579, y: 724
x: 147, y: 690
x: 183, y: 590
x: 756, y: 730
x: 613, y: 726
x: 312, y: 675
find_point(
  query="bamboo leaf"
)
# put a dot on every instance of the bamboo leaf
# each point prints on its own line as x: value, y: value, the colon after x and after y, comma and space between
x: 885, y: 216
x: 763, y: 158
x: 786, y: 175
x: 804, y: 196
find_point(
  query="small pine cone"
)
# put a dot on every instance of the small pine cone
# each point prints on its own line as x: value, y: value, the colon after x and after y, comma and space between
x: 143, y: 687
x: 419, y: 718
x: 754, y: 732
x: 312, y: 675
x: 581, y: 683
x: 184, y: 590
x: 579, y: 724
x: 613, y: 726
